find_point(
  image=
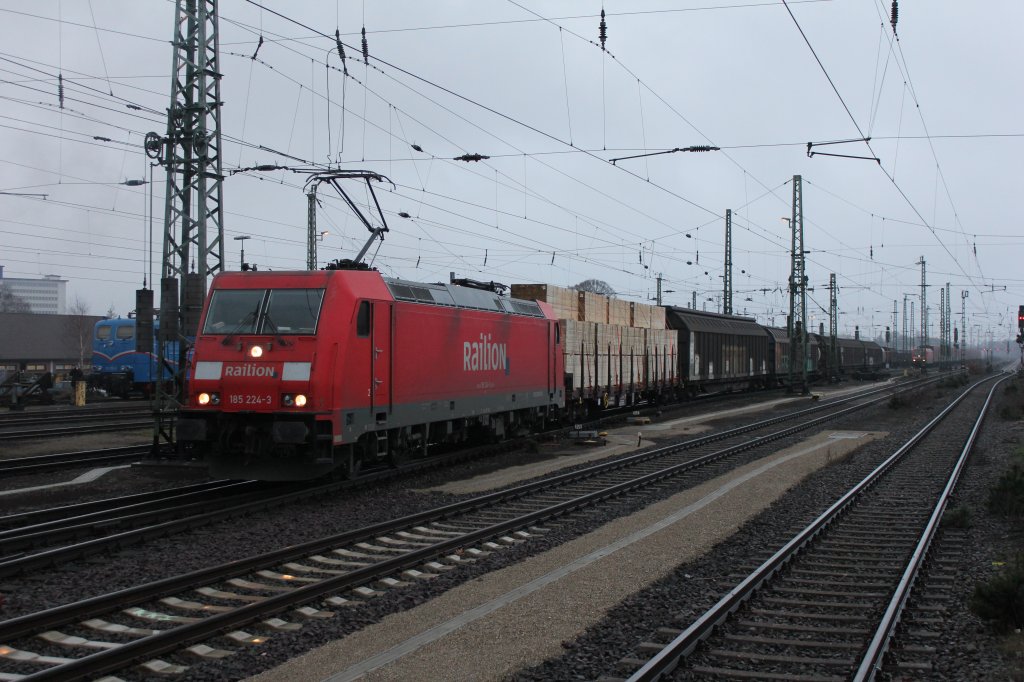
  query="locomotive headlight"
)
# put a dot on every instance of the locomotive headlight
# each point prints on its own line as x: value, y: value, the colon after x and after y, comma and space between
x: 256, y: 351
x: 288, y: 400
x: 300, y: 400
x: 208, y: 399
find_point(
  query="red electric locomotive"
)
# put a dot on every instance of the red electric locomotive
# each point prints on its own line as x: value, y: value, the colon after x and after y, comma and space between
x: 296, y: 374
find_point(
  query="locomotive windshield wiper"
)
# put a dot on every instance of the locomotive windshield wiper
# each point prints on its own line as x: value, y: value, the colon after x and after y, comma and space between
x: 277, y: 332
x: 244, y: 321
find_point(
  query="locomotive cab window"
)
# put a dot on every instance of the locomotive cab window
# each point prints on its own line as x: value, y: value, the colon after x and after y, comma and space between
x: 125, y: 332
x: 292, y: 311
x: 262, y: 311
x: 234, y: 311
x: 103, y: 332
x: 363, y: 319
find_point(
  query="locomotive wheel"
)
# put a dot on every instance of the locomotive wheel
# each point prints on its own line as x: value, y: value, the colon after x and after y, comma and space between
x: 399, y: 447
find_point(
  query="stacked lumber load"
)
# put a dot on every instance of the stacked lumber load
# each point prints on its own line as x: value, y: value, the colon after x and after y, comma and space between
x: 563, y: 301
x: 586, y: 306
x: 611, y: 346
x: 612, y: 359
x: 647, y: 316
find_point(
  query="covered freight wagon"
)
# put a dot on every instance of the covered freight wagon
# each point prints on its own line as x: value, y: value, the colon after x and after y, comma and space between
x: 721, y: 351
x: 778, y: 340
x: 859, y: 358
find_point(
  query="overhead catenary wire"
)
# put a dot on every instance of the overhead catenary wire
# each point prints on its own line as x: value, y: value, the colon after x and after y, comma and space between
x: 868, y: 143
x: 434, y: 161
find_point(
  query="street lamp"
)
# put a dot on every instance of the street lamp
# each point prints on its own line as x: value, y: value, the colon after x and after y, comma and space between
x: 241, y: 258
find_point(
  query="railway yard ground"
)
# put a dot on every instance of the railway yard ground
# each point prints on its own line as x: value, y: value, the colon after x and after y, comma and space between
x: 576, y: 597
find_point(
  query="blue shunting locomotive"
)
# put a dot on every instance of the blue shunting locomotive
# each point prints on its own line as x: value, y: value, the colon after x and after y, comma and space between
x: 121, y: 370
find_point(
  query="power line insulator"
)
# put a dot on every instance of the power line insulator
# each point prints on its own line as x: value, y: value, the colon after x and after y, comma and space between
x: 895, y: 14
x: 366, y: 49
x: 701, y: 148
x: 341, y: 51
x: 60, y: 89
x: 603, y: 30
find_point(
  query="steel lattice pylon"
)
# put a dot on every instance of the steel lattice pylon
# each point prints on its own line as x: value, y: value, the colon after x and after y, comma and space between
x: 311, y: 236
x: 942, y: 325
x: 193, y: 244
x: 924, y: 305
x: 833, y: 327
x: 949, y: 324
x: 191, y: 150
x: 727, y: 293
x: 798, y: 348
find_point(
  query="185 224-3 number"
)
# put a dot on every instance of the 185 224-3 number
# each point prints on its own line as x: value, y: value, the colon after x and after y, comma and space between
x: 250, y: 399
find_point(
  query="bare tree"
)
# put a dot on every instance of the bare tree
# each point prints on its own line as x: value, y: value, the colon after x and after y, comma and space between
x: 595, y: 286
x: 9, y: 303
x: 78, y: 328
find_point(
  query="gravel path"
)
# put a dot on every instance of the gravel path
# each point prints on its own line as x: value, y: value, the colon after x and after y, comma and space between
x: 526, y: 610
x: 969, y: 650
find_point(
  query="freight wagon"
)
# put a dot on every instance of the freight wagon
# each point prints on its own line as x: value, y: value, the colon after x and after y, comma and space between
x: 779, y: 357
x: 615, y: 352
x: 720, y: 351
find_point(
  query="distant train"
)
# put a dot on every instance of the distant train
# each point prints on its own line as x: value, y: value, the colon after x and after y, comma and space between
x: 118, y: 368
x: 296, y: 374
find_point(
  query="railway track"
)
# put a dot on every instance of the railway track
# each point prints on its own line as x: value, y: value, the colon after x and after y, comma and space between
x: 121, y: 522
x: 824, y: 607
x: 65, y: 460
x: 50, y: 423
x: 14, y: 434
x: 70, y: 415
x: 49, y: 527
x: 183, y: 612
x: 79, y: 531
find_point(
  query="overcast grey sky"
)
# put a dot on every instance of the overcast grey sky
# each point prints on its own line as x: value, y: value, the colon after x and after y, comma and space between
x: 526, y: 83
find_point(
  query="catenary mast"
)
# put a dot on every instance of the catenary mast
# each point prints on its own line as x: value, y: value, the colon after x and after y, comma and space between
x: 190, y: 152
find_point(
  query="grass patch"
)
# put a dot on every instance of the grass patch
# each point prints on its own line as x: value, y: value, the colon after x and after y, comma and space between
x: 1011, y: 402
x: 1006, y: 498
x: 954, y: 381
x: 898, y: 401
x: 1001, y: 600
